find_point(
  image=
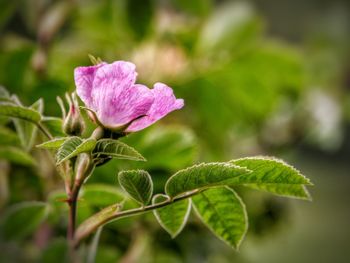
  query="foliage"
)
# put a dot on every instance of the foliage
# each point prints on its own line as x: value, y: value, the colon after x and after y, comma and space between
x: 245, y: 93
x: 207, y: 187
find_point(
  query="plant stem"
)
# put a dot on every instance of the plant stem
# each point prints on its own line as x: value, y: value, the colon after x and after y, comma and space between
x: 72, y: 202
x: 83, y: 231
x: 83, y: 168
x: 43, y: 130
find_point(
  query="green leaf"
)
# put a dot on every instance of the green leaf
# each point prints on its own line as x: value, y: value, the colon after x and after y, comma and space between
x: 296, y: 191
x: 54, y: 125
x: 274, y: 176
x: 116, y: 149
x: 53, y: 144
x: 203, y: 176
x: 8, y: 137
x: 27, y: 131
x: 172, y: 217
x: 15, y: 111
x: 101, y: 195
x: 95, y: 221
x: 16, y: 155
x: 224, y: 213
x: 72, y: 147
x: 138, y: 184
x: 23, y: 219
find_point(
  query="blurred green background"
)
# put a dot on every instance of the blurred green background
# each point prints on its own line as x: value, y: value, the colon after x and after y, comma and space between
x: 258, y: 78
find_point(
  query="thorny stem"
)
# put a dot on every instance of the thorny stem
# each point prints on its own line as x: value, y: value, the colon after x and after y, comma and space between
x: 131, y: 212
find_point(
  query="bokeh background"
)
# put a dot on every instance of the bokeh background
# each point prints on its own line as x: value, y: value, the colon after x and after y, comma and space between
x: 259, y: 77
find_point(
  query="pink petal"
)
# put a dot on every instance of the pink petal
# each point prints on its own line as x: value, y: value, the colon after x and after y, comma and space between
x: 164, y: 102
x: 84, y: 77
x: 116, y: 98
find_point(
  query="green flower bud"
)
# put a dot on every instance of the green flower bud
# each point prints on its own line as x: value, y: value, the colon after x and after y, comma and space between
x: 83, y: 167
x: 73, y: 123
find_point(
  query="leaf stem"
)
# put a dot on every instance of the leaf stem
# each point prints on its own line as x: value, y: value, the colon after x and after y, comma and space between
x: 83, y: 232
x: 43, y: 130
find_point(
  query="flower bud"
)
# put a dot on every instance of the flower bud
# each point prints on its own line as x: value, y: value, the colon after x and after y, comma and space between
x: 83, y: 167
x: 73, y: 123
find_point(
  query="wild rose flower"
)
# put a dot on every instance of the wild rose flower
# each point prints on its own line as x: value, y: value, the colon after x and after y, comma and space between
x: 109, y: 90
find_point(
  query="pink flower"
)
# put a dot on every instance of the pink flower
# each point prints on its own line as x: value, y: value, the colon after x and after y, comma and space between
x: 110, y: 91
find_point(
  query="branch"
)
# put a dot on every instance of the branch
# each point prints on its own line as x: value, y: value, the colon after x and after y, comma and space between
x: 113, y: 212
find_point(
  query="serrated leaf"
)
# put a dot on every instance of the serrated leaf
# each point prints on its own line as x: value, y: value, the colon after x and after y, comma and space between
x: 273, y: 175
x: 203, y: 176
x: 72, y: 147
x: 27, y: 131
x: 23, y: 219
x: 172, y: 217
x: 16, y: 155
x: 101, y: 195
x: 54, y: 125
x: 53, y: 144
x: 15, y: 111
x: 296, y: 191
x: 138, y: 184
x: 8, y: 137
x: 224, y: 213
x: 116, y: 149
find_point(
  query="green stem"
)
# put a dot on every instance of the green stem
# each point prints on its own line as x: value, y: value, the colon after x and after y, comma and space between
x: 83, y: 168
x: 43, y: 130
x: 72, y: 202
x: 83, y: 231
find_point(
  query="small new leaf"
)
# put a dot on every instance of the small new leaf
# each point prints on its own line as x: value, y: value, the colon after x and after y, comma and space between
x: 96, y: 221
x: 172, y: 217
x: 274, y: 176
x: 53, y: 144
x: 138, y: 184
x: 202, y: 176
x: 224, y: 213
x: 72, y: 147
x: 116, y: 149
